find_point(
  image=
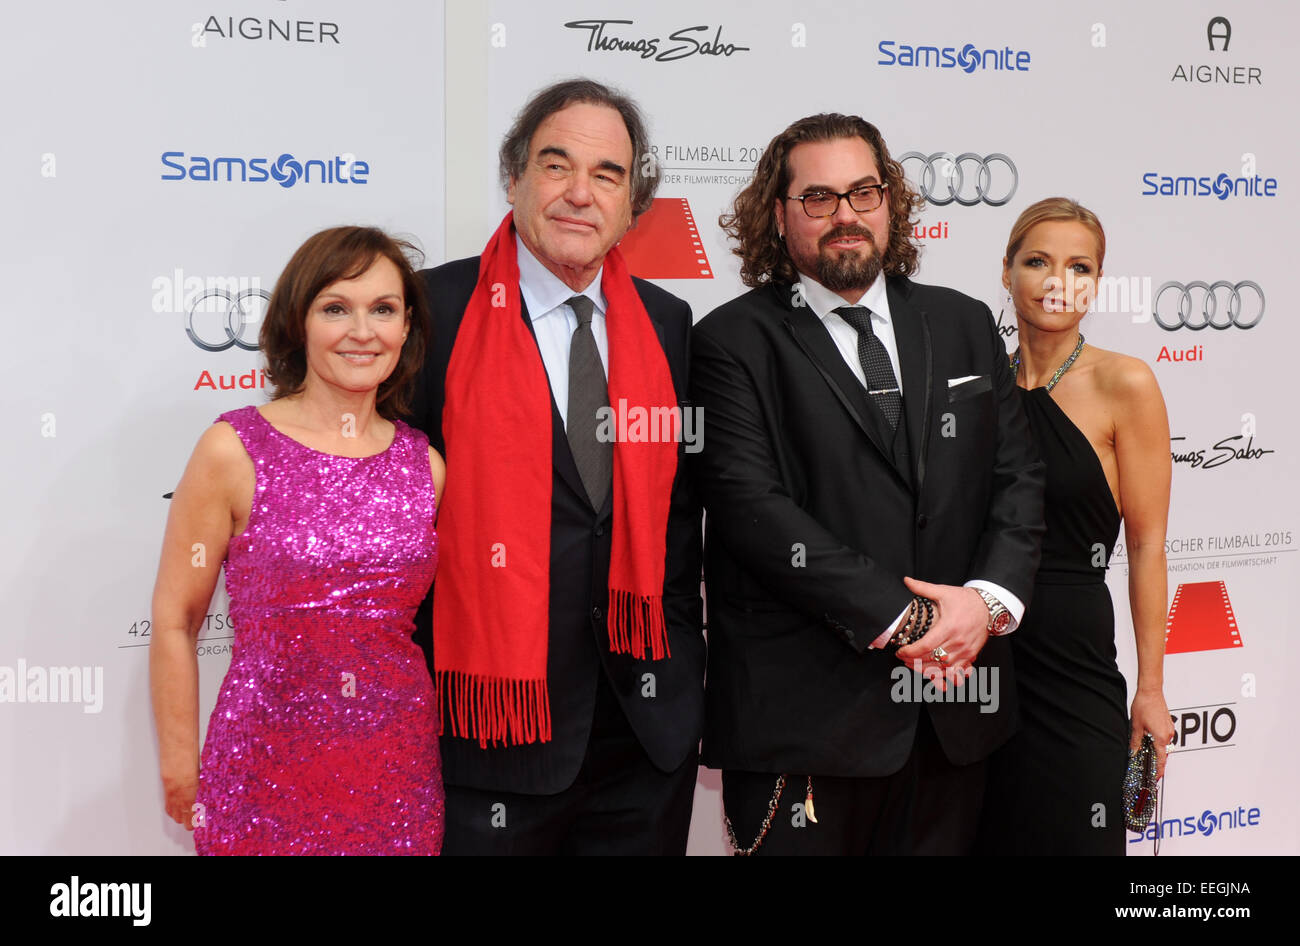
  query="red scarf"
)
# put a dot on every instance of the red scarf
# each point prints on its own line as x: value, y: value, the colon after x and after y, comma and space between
x: 490, y: 605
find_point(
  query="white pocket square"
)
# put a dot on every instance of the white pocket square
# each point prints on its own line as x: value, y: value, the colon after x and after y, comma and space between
x: 953, y: 382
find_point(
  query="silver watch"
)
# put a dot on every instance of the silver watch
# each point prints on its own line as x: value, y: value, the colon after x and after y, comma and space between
x: 999, y: 616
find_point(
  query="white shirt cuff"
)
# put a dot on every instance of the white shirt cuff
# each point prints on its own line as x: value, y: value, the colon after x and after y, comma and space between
x: 1015, y: 607
x: 883, y: 639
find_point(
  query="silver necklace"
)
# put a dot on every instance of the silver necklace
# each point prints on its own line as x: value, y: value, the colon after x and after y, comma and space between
x: 1015, y: 363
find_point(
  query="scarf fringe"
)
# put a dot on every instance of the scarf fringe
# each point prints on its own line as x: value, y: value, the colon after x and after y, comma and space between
x: 494, y: 710
x: 635, y: 622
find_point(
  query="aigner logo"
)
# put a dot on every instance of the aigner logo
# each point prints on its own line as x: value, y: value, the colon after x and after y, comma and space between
x: 1226, y: 35
x: 1218, y: 34
x: 648, y: 47
x: 254, y: 28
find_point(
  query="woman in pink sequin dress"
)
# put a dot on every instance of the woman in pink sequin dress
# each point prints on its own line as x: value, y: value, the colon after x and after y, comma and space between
x: 321, y: 505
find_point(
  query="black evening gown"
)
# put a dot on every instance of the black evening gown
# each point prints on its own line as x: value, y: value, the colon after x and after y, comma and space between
x: 1055, y: 787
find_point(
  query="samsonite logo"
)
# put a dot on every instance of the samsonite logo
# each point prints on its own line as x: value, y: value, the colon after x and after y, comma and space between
x: 1207, y: 823
x: 1222, y: 185
x: 285, y: 170
x: 968, y: 58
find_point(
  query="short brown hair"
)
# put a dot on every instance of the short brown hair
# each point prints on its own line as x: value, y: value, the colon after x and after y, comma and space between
x: 1054, y: 209
x: 327, y: 257
x: 752, y: 222
x: 643, y: 175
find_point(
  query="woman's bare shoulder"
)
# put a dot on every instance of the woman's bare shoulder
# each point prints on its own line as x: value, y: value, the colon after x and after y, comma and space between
x: 220, y: 446
x: 1123, y: 378
x: 220, y: 460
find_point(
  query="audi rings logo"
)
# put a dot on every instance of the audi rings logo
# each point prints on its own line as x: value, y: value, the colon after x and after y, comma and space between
x: 1198, y: 305
x: 966, y: 178
x: 238, y: 316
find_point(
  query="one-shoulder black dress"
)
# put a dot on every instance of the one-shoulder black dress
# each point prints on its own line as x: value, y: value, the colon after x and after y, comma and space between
x: 1055, y: 787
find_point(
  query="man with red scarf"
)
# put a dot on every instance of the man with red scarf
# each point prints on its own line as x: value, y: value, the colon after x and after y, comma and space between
x: 567, y: 643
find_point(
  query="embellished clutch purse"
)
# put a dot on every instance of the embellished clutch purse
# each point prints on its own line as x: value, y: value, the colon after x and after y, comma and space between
x: 1141, y: 790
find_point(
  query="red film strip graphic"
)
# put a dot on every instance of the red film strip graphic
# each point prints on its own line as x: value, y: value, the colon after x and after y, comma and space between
x: 665, y: 244
x: 1201, y: 618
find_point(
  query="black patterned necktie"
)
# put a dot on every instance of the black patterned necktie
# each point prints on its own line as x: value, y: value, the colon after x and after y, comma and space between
x: 588, y: 392
x: 881, y: 383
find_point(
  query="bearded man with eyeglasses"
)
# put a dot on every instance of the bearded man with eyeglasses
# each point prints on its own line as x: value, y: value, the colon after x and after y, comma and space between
x: 873, y: 516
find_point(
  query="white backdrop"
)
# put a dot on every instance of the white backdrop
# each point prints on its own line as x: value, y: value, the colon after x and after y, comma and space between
x: 1095, y: 102
x: 111, y: 393
x: 1088, y: 101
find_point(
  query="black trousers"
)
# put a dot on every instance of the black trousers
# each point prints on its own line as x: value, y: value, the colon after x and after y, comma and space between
x: 620, y: 803
x: 929, y: 806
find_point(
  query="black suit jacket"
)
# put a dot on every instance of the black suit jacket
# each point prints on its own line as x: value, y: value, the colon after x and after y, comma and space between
x: 813, y: 517
x: 668, y: 722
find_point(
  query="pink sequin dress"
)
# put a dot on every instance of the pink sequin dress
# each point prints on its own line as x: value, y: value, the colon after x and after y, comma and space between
x: 324, y: 739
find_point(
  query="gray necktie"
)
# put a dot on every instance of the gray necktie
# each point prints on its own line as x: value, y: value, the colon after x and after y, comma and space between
x: 881, y: 383
x: 588, y: 392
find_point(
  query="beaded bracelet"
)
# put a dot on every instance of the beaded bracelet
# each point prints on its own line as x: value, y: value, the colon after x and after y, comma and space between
x: 920, y: 615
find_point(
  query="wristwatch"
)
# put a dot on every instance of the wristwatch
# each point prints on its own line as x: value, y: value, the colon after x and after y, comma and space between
x: 999, y: 616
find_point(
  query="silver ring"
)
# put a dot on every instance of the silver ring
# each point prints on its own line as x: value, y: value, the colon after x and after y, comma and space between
x: 939, y: 654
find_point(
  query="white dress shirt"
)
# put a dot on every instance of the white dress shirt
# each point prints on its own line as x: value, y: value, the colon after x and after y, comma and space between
x: 554, y: 321
x: 823, y: 303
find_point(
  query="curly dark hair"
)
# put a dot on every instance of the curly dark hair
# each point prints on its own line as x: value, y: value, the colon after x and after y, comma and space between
x: 328, y: 256
x: 643, y: 174
x: 752, y: 222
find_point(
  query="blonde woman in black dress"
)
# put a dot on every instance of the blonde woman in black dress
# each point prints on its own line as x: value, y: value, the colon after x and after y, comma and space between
x: 1100, y: 425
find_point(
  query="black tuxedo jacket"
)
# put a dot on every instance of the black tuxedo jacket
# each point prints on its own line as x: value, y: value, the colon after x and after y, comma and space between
x: 663, y: 699
x: 814, y: 513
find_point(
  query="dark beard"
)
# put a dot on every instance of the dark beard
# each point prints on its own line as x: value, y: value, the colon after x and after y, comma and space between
x: 842, y: 272
x: 846, y: 272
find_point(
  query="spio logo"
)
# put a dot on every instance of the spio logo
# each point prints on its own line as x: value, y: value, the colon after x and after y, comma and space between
x: 286, y: 170
x: 1198, y: 305
x: 965, y: 178
x: 1203, y: 727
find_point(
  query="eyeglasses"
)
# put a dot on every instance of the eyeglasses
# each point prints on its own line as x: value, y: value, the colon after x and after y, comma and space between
x: 824, y: 203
